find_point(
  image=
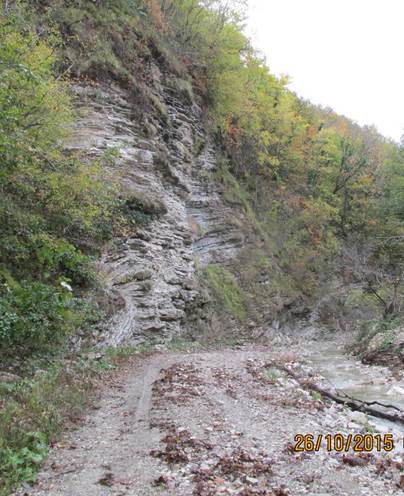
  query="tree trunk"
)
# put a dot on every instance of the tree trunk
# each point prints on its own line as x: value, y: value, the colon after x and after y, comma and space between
x: 390, y: 412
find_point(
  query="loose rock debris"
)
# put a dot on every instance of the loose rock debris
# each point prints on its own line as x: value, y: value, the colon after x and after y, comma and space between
x: 214, y: 424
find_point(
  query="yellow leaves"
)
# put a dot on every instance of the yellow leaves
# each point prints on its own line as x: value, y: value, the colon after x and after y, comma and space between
x: 34, y: 112
x: 341, y: 127
x: 266, y: 138
x: 366, y: 180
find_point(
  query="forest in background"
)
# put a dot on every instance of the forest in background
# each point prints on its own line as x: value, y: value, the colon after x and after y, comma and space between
x: 323, y: 196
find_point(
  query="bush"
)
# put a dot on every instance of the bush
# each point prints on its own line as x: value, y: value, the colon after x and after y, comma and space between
x: 22, y: 464
x: 58, y: 258
x: 34, y: 410
x: 43, y: 191
x: 369, y: 329
x: 35, y: 317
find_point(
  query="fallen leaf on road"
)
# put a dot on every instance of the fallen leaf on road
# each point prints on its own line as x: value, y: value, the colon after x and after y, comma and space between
x: 107, y: 479
x: 357, y: 460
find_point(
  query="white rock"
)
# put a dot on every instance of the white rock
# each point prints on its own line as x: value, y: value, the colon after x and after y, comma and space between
x: 395, y: 390
x: 358, y: 417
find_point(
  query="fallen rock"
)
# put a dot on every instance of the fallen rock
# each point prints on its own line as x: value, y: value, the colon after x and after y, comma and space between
x: 358, y: 417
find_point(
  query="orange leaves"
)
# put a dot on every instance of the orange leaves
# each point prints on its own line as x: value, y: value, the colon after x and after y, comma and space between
x: 233, y: 132
x: 315, y: 235
x: 311, y: 132
x: 297, y: 201
x: 156, y: 14
x: 366, y: 180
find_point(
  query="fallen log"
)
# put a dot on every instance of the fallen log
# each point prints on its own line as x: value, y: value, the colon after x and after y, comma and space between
x: 342, y: 398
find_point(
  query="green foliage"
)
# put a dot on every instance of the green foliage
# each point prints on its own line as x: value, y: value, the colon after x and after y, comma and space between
x: 272, y: 375
x: 316, y: 395
x: 58, y: 193
x: 226, y: 290
x: 22, y: 464
x: 231, y: 341
x: 111, y: 155
x: 324, y: 173
x: 59, y: 259
x: 34, y: 409
x: 138, y: 210
x: 388, y: 340
x: 356, y: 298
x: 31, y: 414
x: 35, y: 317
x: 302, y: 175
x: 52, y: 206
x: 93, y: 39
x: 32, y: 102
x: 183, y: 344
x: 376, y: 327
x: 185, y: 89
x: 304, y: 178
x: 304, y: 183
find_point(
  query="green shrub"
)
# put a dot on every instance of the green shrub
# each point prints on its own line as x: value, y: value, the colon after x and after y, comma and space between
x: 53, y: 207
x: 185, y: 89
x: 58, y: 258
x: 22, y: 464
x: 35, y: 409
x: 35, y: 317
x: 139, y: 210
x: 371, y: 328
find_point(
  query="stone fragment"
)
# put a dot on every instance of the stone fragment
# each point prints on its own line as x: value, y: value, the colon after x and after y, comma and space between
x: 142, y: 275
x: 358, y: 417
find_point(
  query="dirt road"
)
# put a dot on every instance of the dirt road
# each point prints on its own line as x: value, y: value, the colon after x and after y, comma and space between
x: 212, y: 423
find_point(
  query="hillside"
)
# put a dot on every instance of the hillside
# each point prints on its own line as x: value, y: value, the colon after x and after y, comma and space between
x: 159, y: 186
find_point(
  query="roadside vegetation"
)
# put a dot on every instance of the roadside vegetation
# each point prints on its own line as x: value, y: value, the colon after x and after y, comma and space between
x: 56, y: 210
x: 36, y: 408
x: 321, y: 197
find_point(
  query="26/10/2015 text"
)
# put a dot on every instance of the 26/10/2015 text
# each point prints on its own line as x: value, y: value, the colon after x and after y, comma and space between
x: 340, y: 443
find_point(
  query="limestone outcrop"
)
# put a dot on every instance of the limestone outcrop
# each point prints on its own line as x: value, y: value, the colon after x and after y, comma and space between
x: 165, y: 160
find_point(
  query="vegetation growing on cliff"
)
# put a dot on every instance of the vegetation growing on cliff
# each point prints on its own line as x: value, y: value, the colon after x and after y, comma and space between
x: 323, y: 180
x: 320, y: 196
x: 226, y: 291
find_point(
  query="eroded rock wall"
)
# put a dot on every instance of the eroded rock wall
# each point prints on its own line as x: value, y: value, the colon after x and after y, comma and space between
x: 168, y: 158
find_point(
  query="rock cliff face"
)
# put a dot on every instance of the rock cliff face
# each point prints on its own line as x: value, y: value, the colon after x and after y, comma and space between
x: 164, y: 159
